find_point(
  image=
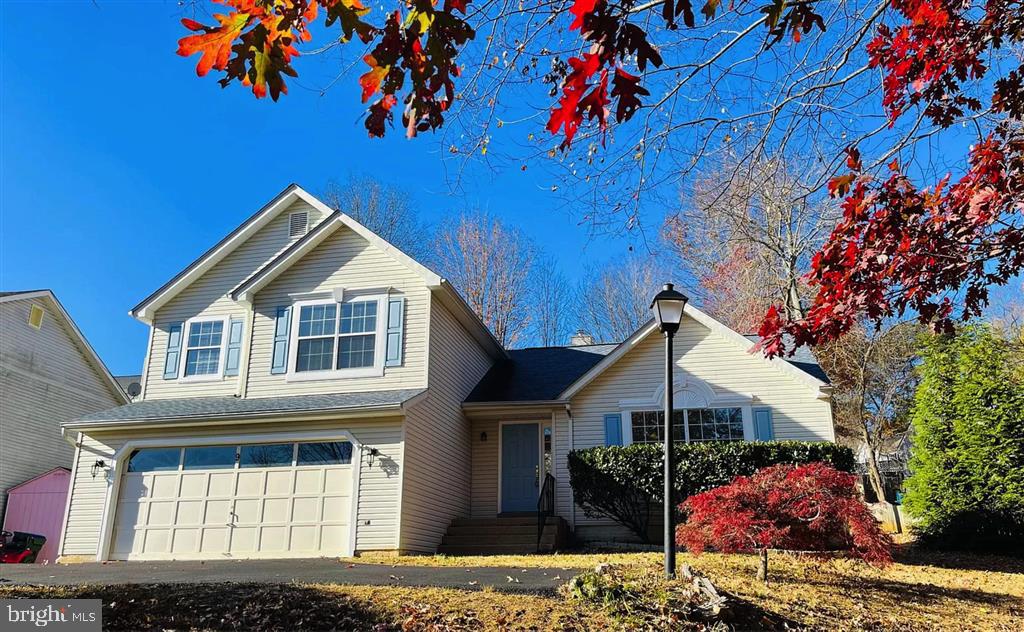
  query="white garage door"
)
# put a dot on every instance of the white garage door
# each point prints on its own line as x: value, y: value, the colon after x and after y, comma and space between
x: 236, y: 501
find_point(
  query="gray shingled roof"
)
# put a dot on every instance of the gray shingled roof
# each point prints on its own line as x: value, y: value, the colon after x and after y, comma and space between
x: 802, y: 358
x: 221, y: 407
x: 542, y: 373
x: 537, y: 374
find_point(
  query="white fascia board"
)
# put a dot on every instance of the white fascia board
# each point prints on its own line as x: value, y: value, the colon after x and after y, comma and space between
x: 80, y: 339
x: 145, y: 310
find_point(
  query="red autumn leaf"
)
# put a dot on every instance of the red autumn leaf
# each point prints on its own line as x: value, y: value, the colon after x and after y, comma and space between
x: 839, y: 186
x: 581, y: 9
x: 214, y: 43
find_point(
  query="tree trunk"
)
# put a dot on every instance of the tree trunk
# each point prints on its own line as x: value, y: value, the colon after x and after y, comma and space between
x: 762, y: 566
x: 874, y: 476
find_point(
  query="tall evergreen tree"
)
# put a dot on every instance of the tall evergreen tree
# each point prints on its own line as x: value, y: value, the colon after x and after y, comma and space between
x: 967, y: 464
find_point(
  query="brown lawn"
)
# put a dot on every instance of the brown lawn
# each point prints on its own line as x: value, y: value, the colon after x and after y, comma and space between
x: 922, y: 591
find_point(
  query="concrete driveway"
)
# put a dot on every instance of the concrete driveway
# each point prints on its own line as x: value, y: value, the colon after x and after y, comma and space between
x: 307, y: 571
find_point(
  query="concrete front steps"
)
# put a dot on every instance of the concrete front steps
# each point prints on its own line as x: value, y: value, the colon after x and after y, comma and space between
x: 504, y: 535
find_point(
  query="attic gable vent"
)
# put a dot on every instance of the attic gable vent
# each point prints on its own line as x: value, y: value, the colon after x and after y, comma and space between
x: 298, y: 223
x: 35, y: 316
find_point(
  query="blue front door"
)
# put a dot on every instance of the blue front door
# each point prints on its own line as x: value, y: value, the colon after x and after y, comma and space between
x: 520, y: 463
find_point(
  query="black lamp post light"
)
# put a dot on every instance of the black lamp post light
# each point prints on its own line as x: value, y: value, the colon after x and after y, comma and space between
x: 668, y: 307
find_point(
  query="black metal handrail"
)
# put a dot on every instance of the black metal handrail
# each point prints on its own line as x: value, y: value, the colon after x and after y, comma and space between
x: 545, y: 506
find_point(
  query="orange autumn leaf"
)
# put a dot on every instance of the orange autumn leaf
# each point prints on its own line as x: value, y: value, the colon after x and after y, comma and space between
x: 214, y: 43
x: 372, y: 79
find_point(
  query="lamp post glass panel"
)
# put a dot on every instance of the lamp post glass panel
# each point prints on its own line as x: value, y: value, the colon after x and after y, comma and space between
x: 668, y: 307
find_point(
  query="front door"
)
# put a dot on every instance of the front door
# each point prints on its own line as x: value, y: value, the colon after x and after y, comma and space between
x: 520, y: 467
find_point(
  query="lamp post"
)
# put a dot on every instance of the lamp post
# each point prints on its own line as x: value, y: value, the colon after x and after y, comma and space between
x: 668, y: 307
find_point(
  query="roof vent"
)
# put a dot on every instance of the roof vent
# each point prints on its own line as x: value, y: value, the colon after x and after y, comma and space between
x: 581, y: 339
x: 298, y: 223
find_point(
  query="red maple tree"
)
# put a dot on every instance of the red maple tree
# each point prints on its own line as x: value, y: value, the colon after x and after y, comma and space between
x: 811, y: 507
x: 934, y: 250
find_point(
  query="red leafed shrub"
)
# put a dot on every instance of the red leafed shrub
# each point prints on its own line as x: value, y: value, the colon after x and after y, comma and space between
x: 811, y: 507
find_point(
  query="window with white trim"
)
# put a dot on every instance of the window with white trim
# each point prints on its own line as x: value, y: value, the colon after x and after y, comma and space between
x: 203, y: 346
x: 692, y: 425
x: 334, y: 339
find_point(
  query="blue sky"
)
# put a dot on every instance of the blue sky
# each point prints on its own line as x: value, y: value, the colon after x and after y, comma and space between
x: 118, y: 166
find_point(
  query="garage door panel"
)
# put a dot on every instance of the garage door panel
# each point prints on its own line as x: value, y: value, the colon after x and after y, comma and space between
x: 185, y: 541
x: 213, y: 540
x: 217, y: 512
x: 336, y: 509
x: 156, y: 541
x: 304, y: 538
x: 134, y: 487
x: 274, y: 539
x: 193, y: 485
x: 270, y: 510
x: 243, y: 539
x: 338, y: 480
x: 333, y: 537
x: 222, y: 485
x: 250, y: 484
x: 161, y: 513
x: 248, y: 510
x: 275, y: 510
x: 279, y: 482
x: 309, y: 481
x: 165, y: 486
x: 306, y: 509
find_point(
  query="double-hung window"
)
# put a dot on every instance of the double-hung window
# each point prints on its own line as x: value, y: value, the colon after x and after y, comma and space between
x: 204, y: 349
x: 333, y: 339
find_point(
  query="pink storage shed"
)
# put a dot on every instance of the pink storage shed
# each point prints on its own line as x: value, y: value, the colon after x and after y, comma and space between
x: 37, y: 506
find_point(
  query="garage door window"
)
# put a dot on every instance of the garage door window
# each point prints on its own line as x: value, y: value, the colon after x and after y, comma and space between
x: 210, y: 458
x: 326, y: 453
x: 274, y: 455
x: 154, y: 460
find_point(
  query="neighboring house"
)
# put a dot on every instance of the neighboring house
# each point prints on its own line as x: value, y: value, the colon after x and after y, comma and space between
x: 49, y: 374
x: 311, y: 390
x: 131, y: 384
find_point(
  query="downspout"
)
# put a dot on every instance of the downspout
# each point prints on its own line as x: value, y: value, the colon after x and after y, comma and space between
x: 572, y: 446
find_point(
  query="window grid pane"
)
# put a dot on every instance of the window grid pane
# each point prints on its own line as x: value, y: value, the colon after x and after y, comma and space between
x: 648, y: 426
x: 358, y: 317
x: 317, y: 320
x: 314, y: 354
x: 356, y: 351
x: 202, y: 361
x: 327, y: 453
x: 205, y: 334
x: 715, y: 424
x: 275, y: 455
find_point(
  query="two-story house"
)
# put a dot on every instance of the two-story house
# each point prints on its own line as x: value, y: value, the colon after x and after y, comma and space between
x: 311, y: 390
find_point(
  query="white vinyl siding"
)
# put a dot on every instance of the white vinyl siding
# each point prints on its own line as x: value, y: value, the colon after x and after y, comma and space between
x: 484, y: 491
x: 45, y: 379
x: 728, y: 369
x: 208, y: 297
x: 347, y: 261
x: 377, y: 518
x: 436, y: 487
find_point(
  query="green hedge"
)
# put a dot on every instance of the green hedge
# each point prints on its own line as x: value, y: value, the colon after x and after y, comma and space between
x: 621, y: 482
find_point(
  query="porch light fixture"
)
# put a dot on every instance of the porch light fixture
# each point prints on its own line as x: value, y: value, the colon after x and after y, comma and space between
x: 668, y: 307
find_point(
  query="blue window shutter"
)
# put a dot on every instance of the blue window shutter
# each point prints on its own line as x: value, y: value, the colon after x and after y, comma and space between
x: 234, y: 347
x: 396, y: 312
x: 613, y: 429
x: 173, y: 350
x: 763, y: 424
x: 279, y: 359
